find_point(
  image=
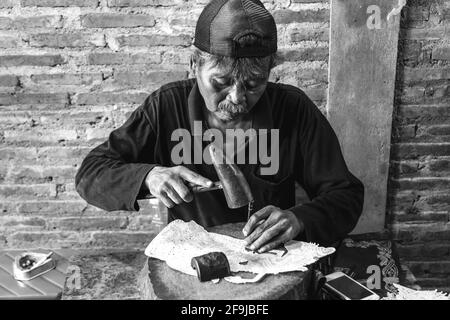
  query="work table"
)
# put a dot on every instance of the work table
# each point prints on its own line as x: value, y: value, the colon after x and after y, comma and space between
x: 128, y: 275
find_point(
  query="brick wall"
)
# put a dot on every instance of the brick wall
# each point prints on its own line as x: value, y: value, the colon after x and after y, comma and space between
x: 72, y: 70
x: 419, y: 186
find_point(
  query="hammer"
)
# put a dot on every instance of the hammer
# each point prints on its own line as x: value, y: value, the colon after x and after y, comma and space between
x: 231, y: 180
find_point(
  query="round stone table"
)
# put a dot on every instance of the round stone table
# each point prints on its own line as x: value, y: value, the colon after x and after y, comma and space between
x: 158, y: 281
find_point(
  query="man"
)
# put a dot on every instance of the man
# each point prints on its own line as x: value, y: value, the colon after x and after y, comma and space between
x: 236, y: 42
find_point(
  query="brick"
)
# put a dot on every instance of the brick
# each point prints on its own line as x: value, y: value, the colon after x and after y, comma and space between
x: 426, y: 217
x: 414, y: 133
x: 414, y: 13
x: 439, y: 165
x: 421, y: 183
x: 112, y: 97
x: 141, y: 223
x: 157, y: 77
x: 12, y: 153
x: 420, y: 205
x: 304, y: 34
x: 413, y: 233
x: 426, y: 33
x: 82, y: 223
x: 177, y: 56
x: 8, y: 42
x: 59, y: 3
x: 97, y: 134
x: 184, y: 22
x: 405, y: 133
x: 40, y: 136
x: 442, y: 53
x: 137, y: 40
x: 143, y: 3
x: 31, y: 60
x: 317, y: 94
x: 410, y: 95
x: 69, y: 40
x: 309, y: 1
x: 22, y: 222
x: 6, y: 23
x: 110, y: 58
x: 437, y: 92
x: 114, y: 20
x: 121, y: 239
x: 415, y: 75
x: 6, y: 4
x: 433, y: 167
x: 48, y: 239
x: 33, y: 98
x: 415, y: 150
x: 21, y: 174
x: 289, y: 16
x: 434, y: 283
x: 442, y: 198
x: 404, y: 169
x: 36, y: 22
x: 55, y: 207
x: 8, y: 81
x: 67, y: 191
x: 304, y: 54
x: 438, y: 130
x: 67, y: 78
x: 423, y: 250
x: 47, y: 154
x: 410, y: 52
x: 10, y: 120
x: 27, y: 192
x: 431, y: 114
x: 62, y: 154
x: 73, y: 118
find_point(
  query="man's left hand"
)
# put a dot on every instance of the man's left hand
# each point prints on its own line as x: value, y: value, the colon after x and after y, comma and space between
x: 271, y: 227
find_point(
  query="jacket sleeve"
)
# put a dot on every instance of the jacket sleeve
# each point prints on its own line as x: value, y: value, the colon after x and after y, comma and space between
x: 112, y: 175
x: 336, y: 195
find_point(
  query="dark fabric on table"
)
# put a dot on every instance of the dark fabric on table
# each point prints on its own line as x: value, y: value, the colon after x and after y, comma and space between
x: 355, y: 257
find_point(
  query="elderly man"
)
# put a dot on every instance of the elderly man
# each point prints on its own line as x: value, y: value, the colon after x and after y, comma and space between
x: 235, y: 42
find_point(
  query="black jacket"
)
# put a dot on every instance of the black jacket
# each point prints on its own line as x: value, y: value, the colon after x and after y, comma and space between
x: 111, y: 176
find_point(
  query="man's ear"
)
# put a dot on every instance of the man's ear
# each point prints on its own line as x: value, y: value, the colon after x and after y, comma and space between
x: 193, y: 66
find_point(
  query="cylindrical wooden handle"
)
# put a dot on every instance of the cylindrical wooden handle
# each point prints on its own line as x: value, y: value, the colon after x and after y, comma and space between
x: 195, y: 189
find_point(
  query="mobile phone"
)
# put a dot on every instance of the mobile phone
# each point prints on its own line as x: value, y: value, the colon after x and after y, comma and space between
x: 343, y: 287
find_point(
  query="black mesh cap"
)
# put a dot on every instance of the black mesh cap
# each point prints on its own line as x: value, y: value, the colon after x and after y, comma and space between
x: 223, y: 22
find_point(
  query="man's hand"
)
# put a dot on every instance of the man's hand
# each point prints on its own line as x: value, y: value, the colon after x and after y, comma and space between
x: 271, y: 227
x: 169, y: 184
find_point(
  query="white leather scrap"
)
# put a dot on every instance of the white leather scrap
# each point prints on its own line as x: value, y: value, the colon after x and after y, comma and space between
x: 180, y: 241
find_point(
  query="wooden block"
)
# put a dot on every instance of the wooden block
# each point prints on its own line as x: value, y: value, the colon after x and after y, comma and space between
x: 363, y: 55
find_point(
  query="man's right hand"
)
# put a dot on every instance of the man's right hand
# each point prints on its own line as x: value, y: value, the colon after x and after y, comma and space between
x: 168, y: 184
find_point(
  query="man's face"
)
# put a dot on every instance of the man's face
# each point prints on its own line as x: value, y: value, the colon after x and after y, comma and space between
x: 226, y: 97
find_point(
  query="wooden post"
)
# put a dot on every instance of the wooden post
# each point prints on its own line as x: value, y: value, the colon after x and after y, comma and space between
x: 362, y: 67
